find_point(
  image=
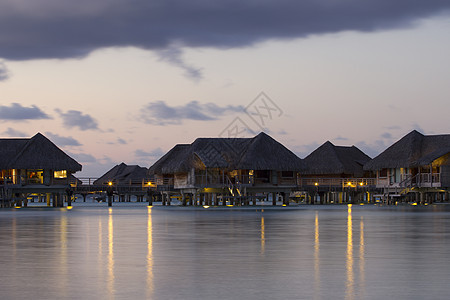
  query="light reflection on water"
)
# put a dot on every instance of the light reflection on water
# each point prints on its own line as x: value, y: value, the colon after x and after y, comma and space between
x: 349, y: 259
x: 310, y: 252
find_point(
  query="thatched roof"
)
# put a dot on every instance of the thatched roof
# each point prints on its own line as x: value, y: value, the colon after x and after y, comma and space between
x: 413, y: 150
x: 173, y: 160
x: 258, y: 153
x: 123, y: 174
x: 329, y: 159
x: 265, y: 153
x: 37, y: 152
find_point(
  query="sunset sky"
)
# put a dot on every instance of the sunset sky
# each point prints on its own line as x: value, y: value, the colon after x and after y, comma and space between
x: 113, y: 81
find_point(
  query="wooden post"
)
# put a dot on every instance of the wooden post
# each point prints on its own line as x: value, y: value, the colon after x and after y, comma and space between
x: 224, y: 199
x: 150, y: 197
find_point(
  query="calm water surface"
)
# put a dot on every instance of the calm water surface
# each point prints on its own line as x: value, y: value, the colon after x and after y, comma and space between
x: 306, y: 252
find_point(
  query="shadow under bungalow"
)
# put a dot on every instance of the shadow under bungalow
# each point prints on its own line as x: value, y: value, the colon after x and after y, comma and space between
x: 235, y: 171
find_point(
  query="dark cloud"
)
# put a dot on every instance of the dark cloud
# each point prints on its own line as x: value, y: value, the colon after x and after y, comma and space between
x: 121, y: 141
x: 4, y: 72
x: 340, y: 138
x: 74, y: 118
x: 386, y: 135
x: 17, y: 112
x: 417, y: 127
x: 83, y: 158
x: 173, y: 55
x: 159, y: 113
x: 374, y: 148
x: 153, y: 153
x: 70, y: 29
x: 11, y: 132
x: 303, y: 151
x: 62, y: 140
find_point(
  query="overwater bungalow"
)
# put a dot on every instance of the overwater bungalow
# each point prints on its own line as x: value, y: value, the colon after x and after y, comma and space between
x: 335, y: 174
x: 415, y: 168
x: 213, y: 170
x: 34, y: 166
x: 125, y: 181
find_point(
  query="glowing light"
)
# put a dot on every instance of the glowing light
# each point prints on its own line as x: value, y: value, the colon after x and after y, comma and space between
x: 69, y: 207
x: 110, y: 183
x: 150, y: 276
x: 316, y: 183
x: 349, y: 183
x: 263, y: 236
x: 349, y: 205
x: 316, y: 255
x: 205, y: 206
x: 229, y: 205
x: 284, y: 205
x: 361, y: 183
x: 60, y: 174
x: 414, y: 203
x: 17, y: 207
x: 111, y: 275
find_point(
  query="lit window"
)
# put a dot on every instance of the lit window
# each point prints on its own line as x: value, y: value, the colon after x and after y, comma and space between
x: 60, y: 174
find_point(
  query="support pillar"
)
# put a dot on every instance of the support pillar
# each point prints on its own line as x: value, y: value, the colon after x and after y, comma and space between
x: 48, y: 196
x: 274, y: 199
x: 183, y: 199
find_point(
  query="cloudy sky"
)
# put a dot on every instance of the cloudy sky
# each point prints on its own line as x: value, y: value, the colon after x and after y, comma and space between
x: 113, y: 81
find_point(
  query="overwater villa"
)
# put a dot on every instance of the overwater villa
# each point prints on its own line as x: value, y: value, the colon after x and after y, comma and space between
x: 335, y: 174
x: 125, y: 181
x: 227, y: 170
x: 34, y: 166
x: 415, y: 168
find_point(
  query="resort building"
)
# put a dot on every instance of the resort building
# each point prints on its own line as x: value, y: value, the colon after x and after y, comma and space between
x: 125, y: 181
x: 34, y: 167
x: 227, y: 170
x: 415, y: 168
x: 335, y: 174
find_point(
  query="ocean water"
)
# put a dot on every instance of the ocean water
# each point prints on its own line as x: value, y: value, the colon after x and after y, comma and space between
x: 131, y: 251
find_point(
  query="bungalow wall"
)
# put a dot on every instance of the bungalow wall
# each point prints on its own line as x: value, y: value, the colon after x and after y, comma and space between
x: 271, y: 177
x: 180, y: 180
x: 393, y: 176
x: 34, y: 177
x: 444, y: 163
x: 445, y: 176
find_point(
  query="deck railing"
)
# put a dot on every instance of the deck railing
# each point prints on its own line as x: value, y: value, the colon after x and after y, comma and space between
x: 421, y: 180
x: 336, y: 182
